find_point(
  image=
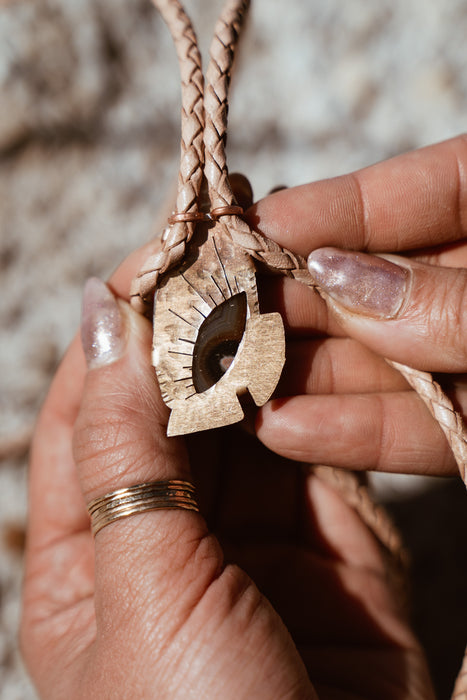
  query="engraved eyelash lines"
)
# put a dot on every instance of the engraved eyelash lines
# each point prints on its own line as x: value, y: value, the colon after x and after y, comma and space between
x: 223, y: 268
x: 218, y: 287
x: 194, y: 288
x: 200, y: 312
x: 215, y: 287
x: 183, y: 319
x: 165, y: 397
x: 211, y: 306
x: 206, y: 296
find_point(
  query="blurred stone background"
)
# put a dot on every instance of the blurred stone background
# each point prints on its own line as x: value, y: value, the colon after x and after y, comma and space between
x: 89, y: 129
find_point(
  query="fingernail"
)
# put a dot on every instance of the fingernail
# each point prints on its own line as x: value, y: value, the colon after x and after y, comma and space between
x: 364, y: 284
x: 102, y: 332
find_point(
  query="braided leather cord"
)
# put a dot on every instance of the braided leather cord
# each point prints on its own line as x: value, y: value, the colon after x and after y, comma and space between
x: 442, y: 410
x: 218, y: 75
x: 192, y: 159
x: 357, y: 494
x: 273, y: 256
x: 453, y: 427
x: 214, y: 114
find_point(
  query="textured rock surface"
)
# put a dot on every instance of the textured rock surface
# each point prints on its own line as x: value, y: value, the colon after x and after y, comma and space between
x: 89, y: 104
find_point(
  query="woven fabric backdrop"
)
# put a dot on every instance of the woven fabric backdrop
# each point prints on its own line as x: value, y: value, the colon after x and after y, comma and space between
x: 89, y: 129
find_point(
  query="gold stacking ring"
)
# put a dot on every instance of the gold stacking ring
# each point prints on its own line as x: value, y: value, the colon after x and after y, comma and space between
x: 154, y: 495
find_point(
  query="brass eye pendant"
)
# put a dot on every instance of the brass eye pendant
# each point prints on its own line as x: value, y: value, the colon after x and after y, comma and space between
x: 211, y: 344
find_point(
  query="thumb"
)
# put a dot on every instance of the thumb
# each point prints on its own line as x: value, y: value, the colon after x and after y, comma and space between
x: 120, y: 434
x: 404, y: 310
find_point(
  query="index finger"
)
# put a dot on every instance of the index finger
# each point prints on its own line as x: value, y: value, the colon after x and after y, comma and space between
x: 411, y: 201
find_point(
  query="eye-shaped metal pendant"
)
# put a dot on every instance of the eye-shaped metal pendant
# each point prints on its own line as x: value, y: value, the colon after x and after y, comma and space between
x: 211, y: 344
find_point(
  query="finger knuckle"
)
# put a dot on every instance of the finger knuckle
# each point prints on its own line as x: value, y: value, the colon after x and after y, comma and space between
x: 448, y: 319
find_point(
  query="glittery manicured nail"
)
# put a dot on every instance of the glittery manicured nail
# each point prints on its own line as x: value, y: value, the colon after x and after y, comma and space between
x: 102, y: 333
x: 364, y: 284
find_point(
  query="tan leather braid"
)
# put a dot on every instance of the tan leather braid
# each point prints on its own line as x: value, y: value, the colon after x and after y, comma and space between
x: 192, y: 160
x: 356, y: 492
x: 218, y: 75
x: 215, y: 108
x: 442, y: 410
x: 359, y: 497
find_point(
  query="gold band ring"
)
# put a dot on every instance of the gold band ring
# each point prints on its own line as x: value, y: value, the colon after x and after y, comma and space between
x: 154, y: 495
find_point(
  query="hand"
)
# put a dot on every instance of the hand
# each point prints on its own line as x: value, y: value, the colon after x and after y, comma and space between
x: 340, y: 402
x: 151, y: 608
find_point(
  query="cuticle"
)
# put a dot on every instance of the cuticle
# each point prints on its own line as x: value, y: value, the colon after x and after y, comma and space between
x: 407, y: 289
x: 400, y: 262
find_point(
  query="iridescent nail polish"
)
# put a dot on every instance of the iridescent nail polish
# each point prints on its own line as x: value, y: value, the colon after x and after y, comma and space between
x: 364, y: 284
x: 102, y: 332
